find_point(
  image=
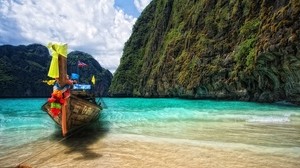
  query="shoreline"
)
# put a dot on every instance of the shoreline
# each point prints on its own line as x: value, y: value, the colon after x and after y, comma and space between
x: 277, y: 103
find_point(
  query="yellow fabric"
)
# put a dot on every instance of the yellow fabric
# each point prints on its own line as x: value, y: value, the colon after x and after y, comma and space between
x: 49, y: 82
x: 93, y: 80
x: 56, y: 49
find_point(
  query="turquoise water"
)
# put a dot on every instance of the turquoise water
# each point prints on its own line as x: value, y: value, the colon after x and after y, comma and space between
x: 228, y: 123
x: 220, y: 121
x: 22, y: 121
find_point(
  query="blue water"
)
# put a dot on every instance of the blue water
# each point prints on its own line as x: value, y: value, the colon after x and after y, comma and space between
x: 219, y: 121
x: 237, y: 123
x: 22, y: 121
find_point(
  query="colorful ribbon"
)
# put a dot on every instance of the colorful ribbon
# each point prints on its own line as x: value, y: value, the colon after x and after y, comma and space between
x: 56, y: 49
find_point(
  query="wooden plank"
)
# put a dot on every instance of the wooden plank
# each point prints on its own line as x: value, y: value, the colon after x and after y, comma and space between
x: 62, y: 62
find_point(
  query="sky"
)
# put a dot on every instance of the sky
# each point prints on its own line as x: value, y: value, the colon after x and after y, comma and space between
x: 97, y: 27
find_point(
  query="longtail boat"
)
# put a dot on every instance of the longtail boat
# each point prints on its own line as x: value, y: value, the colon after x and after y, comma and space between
x: 77, y: 109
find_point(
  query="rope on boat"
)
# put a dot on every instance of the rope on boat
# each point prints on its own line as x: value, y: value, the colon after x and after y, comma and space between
x: 64, y: 138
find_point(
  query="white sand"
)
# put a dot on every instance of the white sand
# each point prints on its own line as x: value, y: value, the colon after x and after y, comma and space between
x: 129, y: 151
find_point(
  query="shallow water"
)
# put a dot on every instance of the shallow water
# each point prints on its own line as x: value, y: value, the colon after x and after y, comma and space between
x: 134, y: 132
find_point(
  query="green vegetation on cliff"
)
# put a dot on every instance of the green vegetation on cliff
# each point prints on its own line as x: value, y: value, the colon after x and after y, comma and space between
x: 227, y: 49
x: 23, y: 68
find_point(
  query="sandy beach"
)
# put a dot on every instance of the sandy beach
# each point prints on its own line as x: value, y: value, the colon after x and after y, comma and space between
x: 122, y: 151
x: 146, y: 134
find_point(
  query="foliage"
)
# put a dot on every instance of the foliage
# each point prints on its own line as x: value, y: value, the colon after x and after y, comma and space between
x: 212, y: 49
x: 245, y: 51
x: 23, y: 68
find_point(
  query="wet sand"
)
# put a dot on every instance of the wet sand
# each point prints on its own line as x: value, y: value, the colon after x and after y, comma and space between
x: 125, y: 150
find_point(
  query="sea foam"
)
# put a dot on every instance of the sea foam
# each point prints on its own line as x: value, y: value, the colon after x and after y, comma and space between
x: 269, y: 119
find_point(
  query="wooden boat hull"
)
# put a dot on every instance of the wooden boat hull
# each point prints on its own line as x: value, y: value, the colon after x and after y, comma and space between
x: 80, y: 113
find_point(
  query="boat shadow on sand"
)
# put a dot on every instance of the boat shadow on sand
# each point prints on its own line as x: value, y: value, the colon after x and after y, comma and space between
x: 82, y: 140
x: 82, y: 144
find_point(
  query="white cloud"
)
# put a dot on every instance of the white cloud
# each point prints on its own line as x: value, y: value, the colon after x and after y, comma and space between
x: 93, y: 26
x: 141, y: 4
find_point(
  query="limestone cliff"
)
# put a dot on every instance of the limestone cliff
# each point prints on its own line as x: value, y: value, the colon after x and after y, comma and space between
x: 220, y: 49
x: 23, y: 68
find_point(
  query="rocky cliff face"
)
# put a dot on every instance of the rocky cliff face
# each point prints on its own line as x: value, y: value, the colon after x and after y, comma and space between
x: 220, y: 49
x: 23, y: 68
